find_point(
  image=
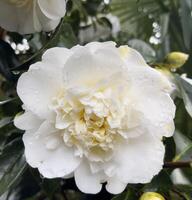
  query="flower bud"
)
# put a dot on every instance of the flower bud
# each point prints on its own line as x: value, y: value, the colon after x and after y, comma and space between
x: 151, y: 196
x: 176, y: 60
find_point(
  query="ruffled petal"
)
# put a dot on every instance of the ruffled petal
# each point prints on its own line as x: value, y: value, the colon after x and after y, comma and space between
x: 27, y: 121
x: 86, y: 181
x: 37, y: 87
x: 115, y: 186
x: 57, y: 55
x: 132, y: 57
x: 150, y: 94
x: 52, y: 159
x: 138, y: 160
x: 91, y: 63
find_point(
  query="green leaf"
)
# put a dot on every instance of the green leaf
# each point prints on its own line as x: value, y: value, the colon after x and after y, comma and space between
x: 160, y: 183
x: 186, y: 21
x: 5, y: 121
x: 164, y: 23
x: 7, y: 101
x: 12, y: 175
x: 51, y: 186
x: 12, y: 165
x: 170, y: 148
x: 67, y: 37
x: 129, y: 194
x: 137, y: 17
x: 185, y: 191
x: 145, y: 49
x: 186, y: 92
x: 79, y: 6
x: 181, y: 141
x: 185, y: 155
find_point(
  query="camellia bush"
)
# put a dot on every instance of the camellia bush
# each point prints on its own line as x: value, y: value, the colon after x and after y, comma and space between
x: 95, y: 100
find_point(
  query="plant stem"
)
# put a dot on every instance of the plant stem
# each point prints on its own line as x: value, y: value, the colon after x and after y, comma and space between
x: 174, y: 165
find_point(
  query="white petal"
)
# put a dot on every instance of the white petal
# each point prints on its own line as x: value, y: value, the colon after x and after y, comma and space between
x: 57, y: 55
x: 51, y: 162
x: 138, y: 160
x: 150, y: 93
x: 133, y: 124
x: 69, y: 176
x: 115, y: 186
x: 35, y: 151
x: 132, y: 57
x: 16, y: 19
x: 86, y: 181
x: 45, y: 129
x: 27, y: 121
x: 36, y: 21
x: 159, y: 110
x: 60, y: 163
x: 91, y: 63
x: 45, y: 23
x: 53, y: 9
x: 38, y: 86
x: 7, y: 21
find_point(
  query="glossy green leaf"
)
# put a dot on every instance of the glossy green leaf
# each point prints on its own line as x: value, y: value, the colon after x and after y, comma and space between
x: 186, y: 19
x: 185, y: 191
x: 7, y: 101
x: 185, y: 155
x: 5, y: 121
x: 186, y: 93
x: 12, y: 175
x: 181, y: 141
x: 145, y: 49
x: 160, y: 183
x: 128, y: 194
x: 12, y: 165
x: 67, y: 37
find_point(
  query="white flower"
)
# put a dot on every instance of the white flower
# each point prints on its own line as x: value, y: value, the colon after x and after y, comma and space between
x: 174, y: 92
x: 29, y: 16
x: 97, y: 113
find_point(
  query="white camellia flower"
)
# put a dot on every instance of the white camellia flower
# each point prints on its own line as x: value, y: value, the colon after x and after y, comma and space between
x: 29, y: 16
x: 95, y: 112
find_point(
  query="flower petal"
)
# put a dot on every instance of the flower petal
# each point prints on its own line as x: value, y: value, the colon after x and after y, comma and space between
x: 16, y: 19
x: 115, y: 186
x: 43, y: 22
x: 150, y: 93
x: 86, y: 181
x: 138, y: 160
x: 27, y: 121
x: 159, y: 110
x: 37, y: 87
x: 57, y: 55
x: 53, y: 9
x: 60, y: 163
x: 95, y: 58
x: 132, y: 57
x: 51, y: 162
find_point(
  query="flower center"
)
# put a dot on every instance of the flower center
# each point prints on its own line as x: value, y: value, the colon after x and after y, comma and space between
x: 88, y: 122
x: 22, y: 3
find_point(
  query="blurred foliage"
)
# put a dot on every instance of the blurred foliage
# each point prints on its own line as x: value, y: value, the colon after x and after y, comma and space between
x: 153, y: 27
